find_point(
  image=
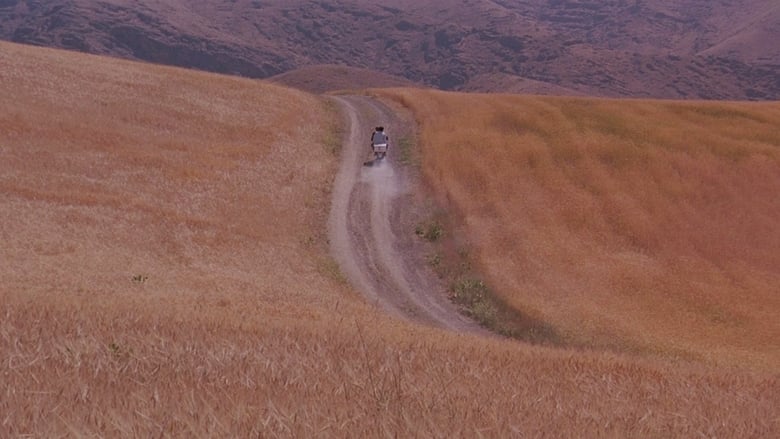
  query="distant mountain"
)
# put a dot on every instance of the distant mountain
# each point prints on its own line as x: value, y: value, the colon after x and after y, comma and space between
x: 638, y: 48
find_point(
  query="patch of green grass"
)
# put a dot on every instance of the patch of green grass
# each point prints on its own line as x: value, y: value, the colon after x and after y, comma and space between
x: 469, y: 291
x: 431, y: 231
x: 486, y: 308
x: 334, y: 136
x: 330, y: 268
x: 474, y: 296
x: 406, y: 149
x: 435, y: 261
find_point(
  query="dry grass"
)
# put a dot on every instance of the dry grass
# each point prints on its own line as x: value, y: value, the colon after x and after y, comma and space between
x: 640, y: 225
x: 165, y: 274
x: 132, y: 373
x: 112, y: 170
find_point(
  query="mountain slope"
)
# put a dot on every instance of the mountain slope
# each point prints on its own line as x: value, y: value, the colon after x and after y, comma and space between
x: 691, y: 49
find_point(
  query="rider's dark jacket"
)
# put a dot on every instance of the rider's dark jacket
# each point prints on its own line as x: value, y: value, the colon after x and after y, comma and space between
x: 378, y: 138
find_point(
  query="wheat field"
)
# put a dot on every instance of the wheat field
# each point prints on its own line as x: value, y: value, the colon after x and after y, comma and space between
x: 165, y: 273
x: 643, y: 226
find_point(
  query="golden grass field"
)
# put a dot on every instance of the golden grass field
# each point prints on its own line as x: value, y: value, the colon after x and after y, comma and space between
x: 648, y: 226
x: 164, y: 272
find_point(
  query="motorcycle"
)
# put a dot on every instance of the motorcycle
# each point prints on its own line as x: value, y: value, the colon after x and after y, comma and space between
x: 380, y: 150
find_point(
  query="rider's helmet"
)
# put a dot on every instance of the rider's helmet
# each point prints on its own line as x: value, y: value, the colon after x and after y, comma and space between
x: 380, y: 128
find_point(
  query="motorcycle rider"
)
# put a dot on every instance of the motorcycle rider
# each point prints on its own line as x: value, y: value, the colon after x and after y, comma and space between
x: 379, y: 137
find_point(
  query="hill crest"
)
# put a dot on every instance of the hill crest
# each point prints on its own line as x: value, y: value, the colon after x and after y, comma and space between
x: 328, y: 78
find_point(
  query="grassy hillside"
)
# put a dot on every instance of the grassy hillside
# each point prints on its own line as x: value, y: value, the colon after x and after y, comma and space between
x: 164, y: 273
x: 640, y: 225
x: 190, y: 181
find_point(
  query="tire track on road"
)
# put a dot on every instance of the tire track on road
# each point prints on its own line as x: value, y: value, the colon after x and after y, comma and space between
x: 363, y: 241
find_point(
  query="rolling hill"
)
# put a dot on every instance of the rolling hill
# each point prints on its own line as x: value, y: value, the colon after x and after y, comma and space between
x: 649, y: 226
x: 644, y: 48
x: 165, y: 272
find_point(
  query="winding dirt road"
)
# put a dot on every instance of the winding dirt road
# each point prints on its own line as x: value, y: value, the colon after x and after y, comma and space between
x: 364, y: 234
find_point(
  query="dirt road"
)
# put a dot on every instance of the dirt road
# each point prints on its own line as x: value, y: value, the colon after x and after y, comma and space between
x: 367, y: 234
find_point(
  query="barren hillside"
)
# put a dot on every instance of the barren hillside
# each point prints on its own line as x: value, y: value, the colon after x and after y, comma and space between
x: 165, y: 273
x: 645, y: 48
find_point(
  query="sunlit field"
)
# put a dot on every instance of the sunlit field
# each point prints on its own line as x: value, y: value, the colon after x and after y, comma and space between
x: 164, y: 272
x: 643, y: 226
